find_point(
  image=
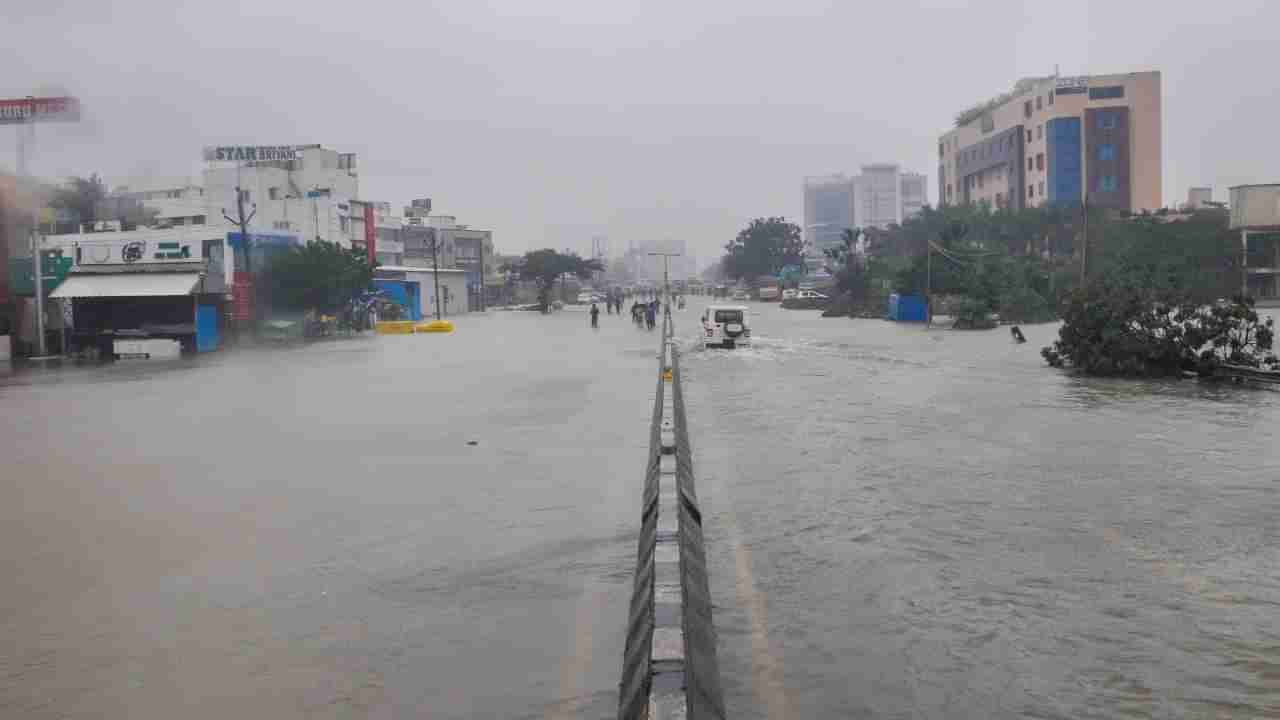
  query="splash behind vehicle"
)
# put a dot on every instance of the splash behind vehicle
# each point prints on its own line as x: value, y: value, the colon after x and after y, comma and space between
x: 725, y: 326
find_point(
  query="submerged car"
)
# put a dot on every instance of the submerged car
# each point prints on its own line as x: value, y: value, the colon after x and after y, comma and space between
x: 725, y: 326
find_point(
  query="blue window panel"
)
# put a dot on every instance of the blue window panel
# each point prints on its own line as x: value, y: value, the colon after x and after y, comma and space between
x: 1107, y: 183
x: 1106, y: 151
x: 1107, y: 120
x: 1065, y: 180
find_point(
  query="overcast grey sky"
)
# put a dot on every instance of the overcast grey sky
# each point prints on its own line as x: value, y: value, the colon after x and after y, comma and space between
x: 550, y: 121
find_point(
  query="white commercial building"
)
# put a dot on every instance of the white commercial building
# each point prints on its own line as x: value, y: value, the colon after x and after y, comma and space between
x: 304, y: 190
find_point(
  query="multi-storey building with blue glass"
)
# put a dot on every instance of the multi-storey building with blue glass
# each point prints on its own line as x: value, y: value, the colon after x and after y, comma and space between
x: 1058, y: 140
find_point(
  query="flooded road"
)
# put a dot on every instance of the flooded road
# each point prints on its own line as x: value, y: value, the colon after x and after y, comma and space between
x: 899, y: 524
x: 308, y: 533
x: 914, y: 524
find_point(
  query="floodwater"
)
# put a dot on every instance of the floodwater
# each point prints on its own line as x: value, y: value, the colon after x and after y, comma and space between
x: 904, y: 523
x: 308, y: 533
x: 900, y: 523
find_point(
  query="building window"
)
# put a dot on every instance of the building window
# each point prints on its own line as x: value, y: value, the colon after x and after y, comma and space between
x: 1038, y: 103
x: 1031, y: 164
x: 1107, y: 120
x: 1107, y: 183
x: 980, y: 179
x: 1041, y: 188
x: 197, y: 220
x: 1106, y: 151
x: 1050, y: 97
x: 948, y: 189
x: 1031, y: 191
x: 1026, y: 109
x: 280, y: 225
x: 999, y: 199
x: 1028, y: 137
x: 941, y: 151
x: 1040, y: 161
x: 1106, y: 93
x: 1039, y: 132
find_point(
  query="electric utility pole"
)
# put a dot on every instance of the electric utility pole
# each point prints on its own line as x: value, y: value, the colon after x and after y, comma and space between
x: 435, y: 265
x: 242, y: 221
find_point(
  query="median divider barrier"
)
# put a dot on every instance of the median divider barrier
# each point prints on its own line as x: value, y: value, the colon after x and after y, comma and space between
x: 669, y: 667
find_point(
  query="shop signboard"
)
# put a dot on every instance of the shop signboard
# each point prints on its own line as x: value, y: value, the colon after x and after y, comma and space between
x: 250, y: 153
x: 1078, y: 85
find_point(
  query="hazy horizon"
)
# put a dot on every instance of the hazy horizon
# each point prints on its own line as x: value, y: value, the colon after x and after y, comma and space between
x: 552, y: 125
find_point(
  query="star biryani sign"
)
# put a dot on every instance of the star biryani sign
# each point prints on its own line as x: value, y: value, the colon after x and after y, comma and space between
x: 250, y: 153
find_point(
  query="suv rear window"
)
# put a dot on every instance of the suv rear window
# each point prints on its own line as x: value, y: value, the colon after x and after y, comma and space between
x: 728, y: 316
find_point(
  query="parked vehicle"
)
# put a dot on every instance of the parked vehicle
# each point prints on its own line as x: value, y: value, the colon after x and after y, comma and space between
x: 726, y: 326
x: 789, y: 294
x: 740, y: 294
x: 810, y: 295
x: 769, y: 293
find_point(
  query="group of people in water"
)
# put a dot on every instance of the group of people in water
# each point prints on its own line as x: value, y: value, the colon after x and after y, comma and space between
x: 643, y: 314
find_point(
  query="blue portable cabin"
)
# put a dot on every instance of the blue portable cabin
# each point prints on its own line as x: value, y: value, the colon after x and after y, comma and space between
x: 907, y: 308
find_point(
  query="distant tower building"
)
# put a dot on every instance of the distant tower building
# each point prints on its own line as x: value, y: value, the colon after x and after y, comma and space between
x: 828, y: 210
x: 1199, y: 197
x: 600, y: 247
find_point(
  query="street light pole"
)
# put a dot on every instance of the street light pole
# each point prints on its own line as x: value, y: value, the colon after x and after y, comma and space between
x: 666, y: 279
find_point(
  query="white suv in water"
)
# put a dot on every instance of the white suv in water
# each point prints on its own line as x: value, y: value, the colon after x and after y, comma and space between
x: 725, y: 326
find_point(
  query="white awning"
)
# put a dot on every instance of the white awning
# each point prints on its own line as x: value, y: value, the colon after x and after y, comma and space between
x: 127, y: 285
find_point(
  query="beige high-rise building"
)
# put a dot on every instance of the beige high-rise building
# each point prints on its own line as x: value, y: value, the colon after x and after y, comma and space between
x: 1059, y: 140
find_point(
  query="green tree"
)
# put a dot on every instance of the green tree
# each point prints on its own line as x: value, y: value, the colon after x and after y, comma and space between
x: 764, y: 247
x: 320, y: 276
x: 544, y: 267
x: 81, y: 196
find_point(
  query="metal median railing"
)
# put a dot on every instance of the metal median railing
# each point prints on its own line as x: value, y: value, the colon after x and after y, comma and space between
x: 669, y: 667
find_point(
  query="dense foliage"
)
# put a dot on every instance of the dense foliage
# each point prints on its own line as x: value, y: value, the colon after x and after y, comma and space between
x: 1025, y: 264
x: 320, y: 276
x: 1115, y: 328
x: 81, y: 197
x: 544, y: 267
x: 763, y: 248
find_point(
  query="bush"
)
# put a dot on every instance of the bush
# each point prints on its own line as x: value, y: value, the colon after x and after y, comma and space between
x: 973, y: 314
x: 1022, y: 304
x: 1112, y: 328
